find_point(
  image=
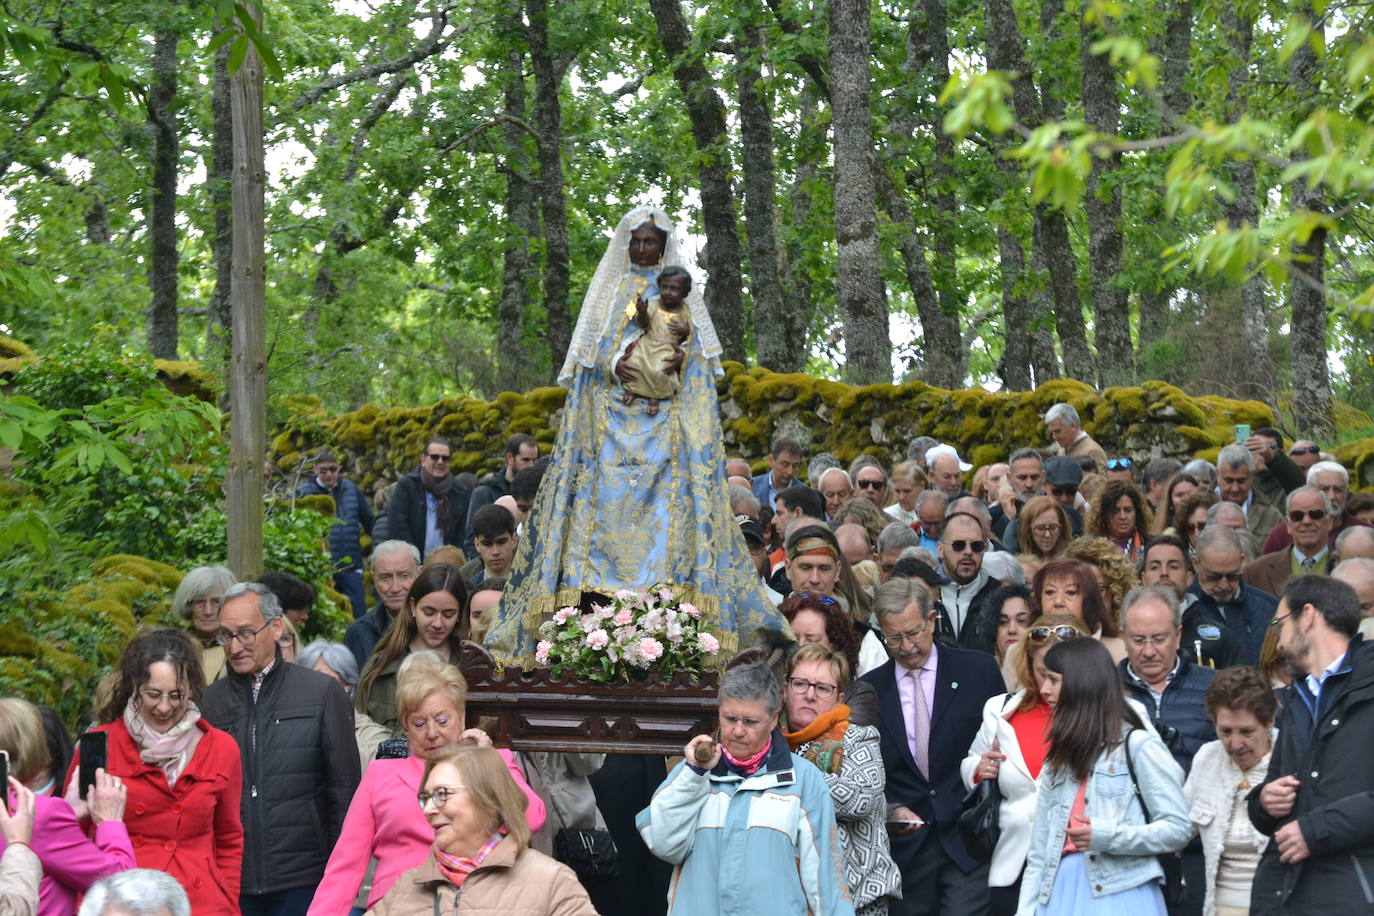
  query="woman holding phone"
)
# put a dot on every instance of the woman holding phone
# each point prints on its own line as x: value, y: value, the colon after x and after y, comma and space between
x: 183, y: 774
x: 71, y: 861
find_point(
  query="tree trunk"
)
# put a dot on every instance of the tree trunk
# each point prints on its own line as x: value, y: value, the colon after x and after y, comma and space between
x: 774, y: 322
x: 1307, y: 289
x: 162, y: 211
x: 1102, y: 202
x: 218, y: 180
x: 1257, y: 379
x: 724, y: 295
x: 548, y: 121
x: 858, y: 281
x: 248, y: 367
x: 521, y: 218
x: 795, y: 270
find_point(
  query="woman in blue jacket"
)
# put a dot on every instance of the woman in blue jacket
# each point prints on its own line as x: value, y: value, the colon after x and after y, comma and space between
x: 1091, y: 849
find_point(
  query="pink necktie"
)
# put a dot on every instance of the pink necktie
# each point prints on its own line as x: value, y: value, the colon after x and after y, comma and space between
x: 920, y: 726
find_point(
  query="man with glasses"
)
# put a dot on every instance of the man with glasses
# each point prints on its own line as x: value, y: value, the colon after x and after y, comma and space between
x: 1333, y: 480
x: 1309, y: 521
x: 429, y: 507
x: 1304, y: 453
x: 1165, y: 564
x: 871, y: 482
x: 1235, y: 479
x: 1223, y: 597
x: 930, y: 519
x: 355, y: 518
x: 962, y: 546
x: 294, y: 728
x: 930, y: 704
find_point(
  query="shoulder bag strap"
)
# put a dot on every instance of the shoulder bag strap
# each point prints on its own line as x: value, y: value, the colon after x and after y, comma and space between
x: 1135, y: 786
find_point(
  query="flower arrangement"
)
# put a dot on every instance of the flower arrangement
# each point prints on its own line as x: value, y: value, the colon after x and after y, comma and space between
x: 638, y: 632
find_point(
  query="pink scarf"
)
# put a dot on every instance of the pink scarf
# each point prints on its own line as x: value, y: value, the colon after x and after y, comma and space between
x: 750, y: 765
x: 457, y: 868
x: 171, y: 750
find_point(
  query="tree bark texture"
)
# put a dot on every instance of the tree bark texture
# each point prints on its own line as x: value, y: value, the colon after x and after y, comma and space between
x: 1102, y: 202
x: 1307, y: 289
x: 548, y: 120
x: 724, y: 294
x: 521, y: 217
x: 797, y: 276
x: 219, y: 179
x: 248, y: 365
x: 858, y: 279
x: 776, y: 327
x: 162, y: 211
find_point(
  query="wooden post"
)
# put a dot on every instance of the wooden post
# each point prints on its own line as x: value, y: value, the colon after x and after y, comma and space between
x: 248, y: 365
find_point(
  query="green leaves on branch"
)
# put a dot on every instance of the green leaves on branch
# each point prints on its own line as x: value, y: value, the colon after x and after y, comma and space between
x: 243, y: 31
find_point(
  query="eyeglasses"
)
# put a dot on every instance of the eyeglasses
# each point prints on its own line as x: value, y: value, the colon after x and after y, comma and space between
x: 1211, y: 577
x: 1298, y: 515
x: 439, y: 459
x: 961, y: 545
x: 154, y: 697
x: 869, y: 484
x: 1118, y: 464
x: 1061, y: 632
x: 204, y: 607
x: 823, y: 599
x: 246, y: 638
x: 1195, y: 527
x: 1045, y: 529
x: 896, y: 640
x: 751, y: 724
x: 1158, y: 640
x: 1064, y: 492
x: 1304, y: 450
x: 439, y: 796
x: 1278, y: 620
x: 326, y: 469
x: 801, y: 685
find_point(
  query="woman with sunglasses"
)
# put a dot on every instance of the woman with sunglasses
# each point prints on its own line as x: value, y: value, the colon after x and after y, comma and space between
x: 819, y: 728
x: 1010, y: 748
x: 1093, y: 849
x: 1191, y: 515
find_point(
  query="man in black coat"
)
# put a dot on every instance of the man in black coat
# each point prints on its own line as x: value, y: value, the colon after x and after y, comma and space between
x: 395, y: 566
x: 930, y: 705
x: 429, y: 507
x: 521, y: 452
x: 1317, y: 799
x: 294, y: 728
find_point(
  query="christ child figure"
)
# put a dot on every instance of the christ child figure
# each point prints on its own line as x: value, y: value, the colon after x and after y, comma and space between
x: 656, y: 356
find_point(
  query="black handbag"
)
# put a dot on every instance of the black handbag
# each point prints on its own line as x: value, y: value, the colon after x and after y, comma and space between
x: 589, y: 853
x: 979, y: 820
x: 1175, y: 886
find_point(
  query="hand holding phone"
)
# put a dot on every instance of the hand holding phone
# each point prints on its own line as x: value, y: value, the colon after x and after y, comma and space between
x: 92, y: 748
x: 902, y: 821
x: 17, y: 827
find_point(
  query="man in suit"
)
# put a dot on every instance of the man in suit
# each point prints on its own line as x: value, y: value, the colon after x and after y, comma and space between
x: 930, y: 703
x: 783, y: 460
x: 1235, y: 484
x: 1309, y: 519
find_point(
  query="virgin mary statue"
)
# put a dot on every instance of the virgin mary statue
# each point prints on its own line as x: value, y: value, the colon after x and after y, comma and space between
x: 633, y: 499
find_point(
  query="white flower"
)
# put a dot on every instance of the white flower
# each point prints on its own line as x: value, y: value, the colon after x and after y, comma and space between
x: 563, y: 614
x: 691, y: 610
x: 709, y: 644
x: 598, y: 639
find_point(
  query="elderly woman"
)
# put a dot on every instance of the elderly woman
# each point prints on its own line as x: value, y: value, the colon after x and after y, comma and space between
x: 1241, y: 706
x: 197, y: 600
x: 383, y: 821
x: 907, y: 482
x: 335, y: 660
x: 748, y: 825
x: 819, y: 729
x: 479, y: 858
x: 71, y: 862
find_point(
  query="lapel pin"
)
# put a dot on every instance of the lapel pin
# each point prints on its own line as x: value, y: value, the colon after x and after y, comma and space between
x: 953, y: 685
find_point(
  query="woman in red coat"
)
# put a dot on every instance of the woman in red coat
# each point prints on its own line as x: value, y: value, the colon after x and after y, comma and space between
x: 183, y: 775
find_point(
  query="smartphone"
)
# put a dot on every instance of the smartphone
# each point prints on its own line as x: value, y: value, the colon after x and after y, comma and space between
x: 1242, y: 432
x: 5, y: 780
x: 92, y: 747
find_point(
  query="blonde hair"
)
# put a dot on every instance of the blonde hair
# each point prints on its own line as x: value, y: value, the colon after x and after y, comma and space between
x: 1025, y: 664
x: 21, y: 736
x: 424, y: 673
x: 815, y: 652
x: 489, y: 785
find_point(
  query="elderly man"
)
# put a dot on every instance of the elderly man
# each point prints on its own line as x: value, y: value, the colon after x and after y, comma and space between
x: 892, y: 540
x: 1358, y: 573
x: 1304, y: 453
x: 521, y: 452
x: 1203, y: 471
x: 946, y: 472
x: 429, y: 507
x: 930, y: 518
x: 962, y: 546
x: 1355, y: 541
x: 871, y: 481
x: 354, y: 514
x: 854, y: 545
x: 1317, y: 799
x: 744, y: 502
x: 916, y: 451
x: 136, y: 892
x: 1224, y: 598
x: 395, y: 564
x: 784, y: 458
x: 923, y: 687
x: 1165, y: 564
x: 1064, y: 427
x: 1309, y: 523
x: 836, y: 489
x: 1235, y: 477
x: 1333, y: 480
x: 294, y: 729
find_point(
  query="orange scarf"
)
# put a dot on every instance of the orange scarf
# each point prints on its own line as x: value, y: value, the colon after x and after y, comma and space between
x: 825, y: 737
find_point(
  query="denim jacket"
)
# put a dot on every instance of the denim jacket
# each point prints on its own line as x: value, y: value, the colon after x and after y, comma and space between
x: 1121, y: 854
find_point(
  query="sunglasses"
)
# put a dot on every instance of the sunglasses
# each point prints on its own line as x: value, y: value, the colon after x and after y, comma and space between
x: 1118, y: 464
x: 1304, y: 450
x: 440, y: 459
x: 870, y: 484
x: 823, y: 599
x: 976, y: 546
x: 1065, y: 492
x: 1061, y: 632
x: 1298, y: 515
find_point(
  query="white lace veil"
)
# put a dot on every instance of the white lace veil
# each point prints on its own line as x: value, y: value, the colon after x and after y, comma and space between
x: 599, y: 307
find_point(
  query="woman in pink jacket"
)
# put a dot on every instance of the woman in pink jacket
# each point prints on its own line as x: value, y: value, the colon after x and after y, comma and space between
x: 384, y: 820
x: 71, y: 861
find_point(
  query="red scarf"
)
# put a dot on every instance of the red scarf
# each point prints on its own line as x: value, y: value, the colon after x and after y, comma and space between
x: 750, y: 765
x: 457, y: 868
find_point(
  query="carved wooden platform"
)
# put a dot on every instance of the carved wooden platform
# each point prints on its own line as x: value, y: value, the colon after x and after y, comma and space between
x: 537, y: 713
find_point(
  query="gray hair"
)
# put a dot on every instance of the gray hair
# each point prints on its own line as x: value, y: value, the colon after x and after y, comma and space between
x: 892, y: 597
x: 1326, y: 503
x: 267, y: 601
x: 1235, y: 456
x: 1156, y: 593
x: 334, y: 654
x: 137, y: 891
x: 835, y: 470
x: 1160, y: 470
x: 1353, y: 570
x: 1329, y: 467
x: 1355, y: 533
x: 819, y: 465
x: 753, y: 683
x: 1021, y: 454
x: 972, y: 505
x: 916, y: 451
x: 927, y: 495
x: 198, y: 583
x: 1217, y: 537
x: 396, y: 546
x: 894, y: 535
x: 1064, y: 413
x: 919, y: 553
x: 1217, y: 509
x: 866, y: 461
x: 1202, y: 469
x: 744, y: 495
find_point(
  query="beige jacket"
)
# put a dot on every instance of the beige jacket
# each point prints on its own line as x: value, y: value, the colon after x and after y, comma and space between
x: 1087, y: 445
x: 20, y: 872
x: 510, y: 882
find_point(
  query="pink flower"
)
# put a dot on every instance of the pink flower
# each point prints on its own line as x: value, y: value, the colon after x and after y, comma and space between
x: 598, y: 639
x: 709, y: 644
x: 563, y: 614
x: 624, y: 618
x: 589, y: 623
x: 691, y: 610
x: 541, y: 652
x: 625, y: 594
x: 665, y: 595
x: 650, y: 649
